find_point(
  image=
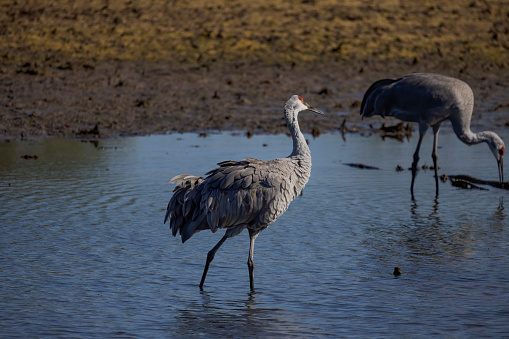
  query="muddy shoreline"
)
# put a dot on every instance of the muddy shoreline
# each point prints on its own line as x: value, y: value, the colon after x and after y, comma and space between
x: 135, y: 98
x: 108, y: 69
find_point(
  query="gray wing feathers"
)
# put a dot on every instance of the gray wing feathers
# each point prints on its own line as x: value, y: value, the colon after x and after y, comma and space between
x: 233, y: 196
x: 372, y: 95
x: 185, y: 198
x: 183, y: 179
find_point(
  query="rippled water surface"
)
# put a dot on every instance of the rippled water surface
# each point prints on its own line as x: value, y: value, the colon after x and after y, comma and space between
x: 84, y: 252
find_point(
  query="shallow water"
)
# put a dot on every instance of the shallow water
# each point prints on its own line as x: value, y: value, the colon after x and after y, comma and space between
x: 84, y: 252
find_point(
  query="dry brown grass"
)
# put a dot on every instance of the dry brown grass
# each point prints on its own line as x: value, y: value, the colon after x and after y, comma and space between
x: 269, y: 31
x: 139, y: 67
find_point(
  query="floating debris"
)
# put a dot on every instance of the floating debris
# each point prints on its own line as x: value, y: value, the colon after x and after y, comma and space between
x: 362, y: 166
x: 397, y: 271
x: 343, y: 127
x: 103, y: 148
x: 466, y: 184
x: 398, y: 131
x: 466, y: 181
x: 28, y: 156
x: 315, y: 132
x: 399, y: 168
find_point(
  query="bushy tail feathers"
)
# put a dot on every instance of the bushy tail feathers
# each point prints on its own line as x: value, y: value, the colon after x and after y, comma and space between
x: 368, y: 101
x: 184, y: 206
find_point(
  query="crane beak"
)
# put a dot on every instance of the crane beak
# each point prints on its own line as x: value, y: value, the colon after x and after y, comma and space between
x: 501, y: 171
x: 312, y: 109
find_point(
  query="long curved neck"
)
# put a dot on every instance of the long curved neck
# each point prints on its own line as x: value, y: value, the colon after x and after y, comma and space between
x: 461, y: 126
x: 300, y: 146
x: 471, y: 138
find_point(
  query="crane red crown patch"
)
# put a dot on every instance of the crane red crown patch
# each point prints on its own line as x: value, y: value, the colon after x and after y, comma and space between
x: 300, y: 98
x: 501, y: 151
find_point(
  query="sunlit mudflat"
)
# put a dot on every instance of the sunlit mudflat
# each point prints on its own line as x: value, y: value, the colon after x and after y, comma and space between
x: 84, y: 252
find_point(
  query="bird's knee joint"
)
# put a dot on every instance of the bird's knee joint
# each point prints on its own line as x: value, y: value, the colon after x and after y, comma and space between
x: 250, y: 263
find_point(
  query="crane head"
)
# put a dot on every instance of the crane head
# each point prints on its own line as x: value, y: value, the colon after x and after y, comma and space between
x: 297, y: 104
x: 497, y: 147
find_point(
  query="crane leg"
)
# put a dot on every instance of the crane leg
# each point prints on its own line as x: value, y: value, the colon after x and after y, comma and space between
x: 250, y: 262
x: 434, y: 155
x: 210, y: 257
x: 416, y: 160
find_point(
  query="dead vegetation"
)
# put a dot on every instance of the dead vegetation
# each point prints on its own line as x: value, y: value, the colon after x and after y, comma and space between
x: 140, y: 67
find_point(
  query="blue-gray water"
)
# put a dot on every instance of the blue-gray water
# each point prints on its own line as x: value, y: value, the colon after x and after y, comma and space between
x: 84, y: 252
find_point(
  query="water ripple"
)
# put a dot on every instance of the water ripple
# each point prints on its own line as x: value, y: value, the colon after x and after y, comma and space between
x: 84, y: 252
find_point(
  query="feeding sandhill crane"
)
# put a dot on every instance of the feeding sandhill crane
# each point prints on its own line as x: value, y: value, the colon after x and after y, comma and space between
x: 250, y: 193
x: 430, y: 99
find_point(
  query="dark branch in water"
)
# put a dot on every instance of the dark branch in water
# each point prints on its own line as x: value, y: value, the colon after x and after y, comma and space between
x: 362, y: 166
x: 466, y: 181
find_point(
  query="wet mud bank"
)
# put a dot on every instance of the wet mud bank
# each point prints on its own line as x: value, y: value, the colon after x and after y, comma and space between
x: 104, y: 69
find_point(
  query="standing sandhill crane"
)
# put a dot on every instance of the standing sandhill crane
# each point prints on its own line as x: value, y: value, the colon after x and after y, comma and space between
x: 250, y: 193
x: 430, y: 99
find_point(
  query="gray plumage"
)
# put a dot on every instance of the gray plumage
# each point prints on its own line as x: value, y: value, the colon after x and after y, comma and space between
x: 430, y: 99
x: 250, y: 193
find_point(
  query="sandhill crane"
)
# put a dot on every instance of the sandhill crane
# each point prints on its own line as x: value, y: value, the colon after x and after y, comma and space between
x: 250, y: 193
x: 430, y: 99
